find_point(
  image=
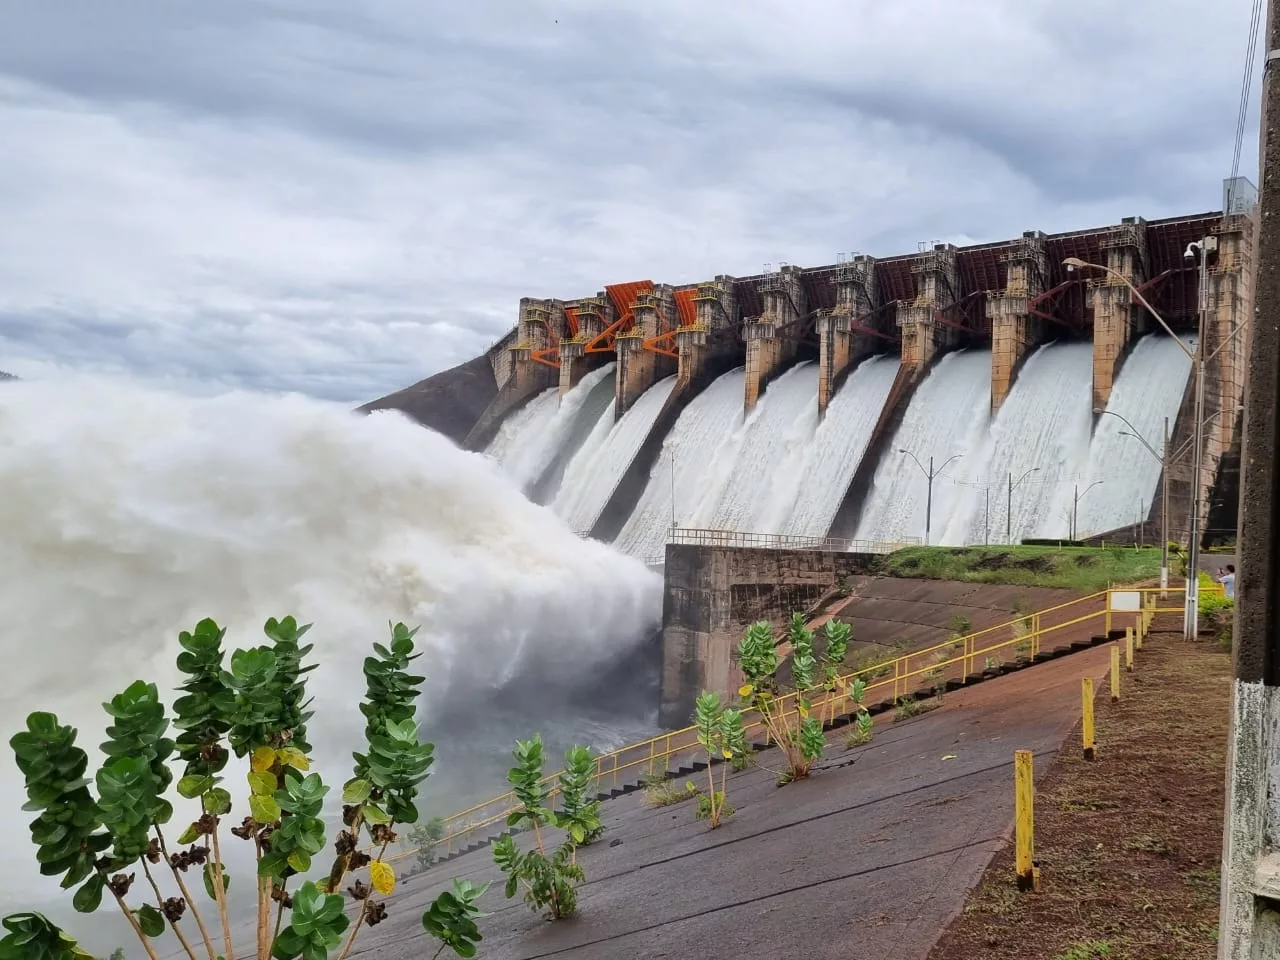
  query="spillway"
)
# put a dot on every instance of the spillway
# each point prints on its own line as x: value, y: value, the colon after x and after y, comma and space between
x: 523, y: 431
x: 947, y: 416
x: 596, y: 395
x: 691, y: 466
x: 1149, y: 389
x: 596, y: 469
x: 547, y: 432
x: 1039, y: 438
x: 765, y: 455
x: 809, y: 493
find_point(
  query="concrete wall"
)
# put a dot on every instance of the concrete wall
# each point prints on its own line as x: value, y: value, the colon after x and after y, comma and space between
x: 713, y: 593
x: 701, y: 618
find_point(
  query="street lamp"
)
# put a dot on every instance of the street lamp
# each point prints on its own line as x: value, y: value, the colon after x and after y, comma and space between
x: 1008, y: 513
x: 1075, y: 505
x: 1164, y: 461
x: 1190, y: 616
x: 929, y: 475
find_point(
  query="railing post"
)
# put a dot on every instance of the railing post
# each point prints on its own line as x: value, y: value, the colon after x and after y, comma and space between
x: 1024, y: 818
x: 1128, y: 649
x: 968, y: 656
x: 1086, y: 718
x: 1035, y: 635
x: 1115, y: 673
x: 1106, y: 628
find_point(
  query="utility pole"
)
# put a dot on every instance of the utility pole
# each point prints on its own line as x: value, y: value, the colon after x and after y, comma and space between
x: 986, y: 526
x: 1253, y: 757
x: 929, y: 475
x: 1008, y: 509
x: 1075, y: 505
x: 1164, y: 512
x: 1191, y: 608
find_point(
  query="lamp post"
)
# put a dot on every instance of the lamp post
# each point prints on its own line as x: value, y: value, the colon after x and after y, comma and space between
x: 1164, y: 461
x: 1208, y: 245
x: 1008, y: 514
x: 1075, y: 504
x: 929, y: 475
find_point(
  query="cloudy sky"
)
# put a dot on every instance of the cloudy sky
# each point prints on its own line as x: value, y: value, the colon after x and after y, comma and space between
x: 342, y: 196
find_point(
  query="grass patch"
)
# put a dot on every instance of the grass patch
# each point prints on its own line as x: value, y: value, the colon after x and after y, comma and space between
x: 1087, y: 569
x: 664, y: 792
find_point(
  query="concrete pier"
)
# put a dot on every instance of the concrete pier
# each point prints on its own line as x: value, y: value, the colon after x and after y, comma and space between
x: 1116, y: 317
x: 639, y: 368
x: 842, y: 336
x: 771, y: 337
x: 1014, y: 328
x: 937, y: 286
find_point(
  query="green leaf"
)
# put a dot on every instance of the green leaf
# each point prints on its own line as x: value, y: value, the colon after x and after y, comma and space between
x: 192, y: 786
x: 264, y: 809
x: 262, y: 783
x: 356, y: 791
x: 208, y: 881
x: 217, y: 801
x: 374, y: 814
x: 150, y: 920
x: 300, y: 861
x: 89, y: 897
x: 189, y: 835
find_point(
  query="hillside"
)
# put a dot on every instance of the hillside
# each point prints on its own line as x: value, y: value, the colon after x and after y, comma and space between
x: 449, y: 402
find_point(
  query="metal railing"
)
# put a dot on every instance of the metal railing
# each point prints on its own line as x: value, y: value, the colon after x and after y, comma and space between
x: 890, y: 680
x: 693, y: 536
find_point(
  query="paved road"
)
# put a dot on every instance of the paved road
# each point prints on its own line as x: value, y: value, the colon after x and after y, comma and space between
x: 867, y: 859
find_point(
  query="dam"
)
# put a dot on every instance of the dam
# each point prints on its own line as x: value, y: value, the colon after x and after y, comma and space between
x: 1037, y: 387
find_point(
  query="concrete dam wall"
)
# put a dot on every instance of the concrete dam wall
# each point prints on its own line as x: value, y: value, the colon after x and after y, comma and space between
x: 958, y: 394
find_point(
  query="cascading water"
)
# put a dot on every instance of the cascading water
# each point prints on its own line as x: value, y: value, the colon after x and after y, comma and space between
x: 597, y: 468
x: 520, y: 429
x: 946, y: 417
x: 1038, y: 438
x: 129, y: 514
x: 1148, y: 390
x: 592, y: 408
x: 766, y: 455
x: 528, y: 443
x: 692, y: 463
x: 810, y: 491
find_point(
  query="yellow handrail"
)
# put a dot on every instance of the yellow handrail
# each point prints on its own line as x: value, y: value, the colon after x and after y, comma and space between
x: 665, y: 745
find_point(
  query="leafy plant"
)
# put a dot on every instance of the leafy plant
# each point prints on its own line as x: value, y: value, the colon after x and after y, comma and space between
x: 961, y: 625
x: 424, y: 838
x: 549, y: 880
x: 722, y: 735
x: 861, y: 732
x: 579, y: 813
x: 663, y: 792
x: 789, y: 719
x: 252, y: 704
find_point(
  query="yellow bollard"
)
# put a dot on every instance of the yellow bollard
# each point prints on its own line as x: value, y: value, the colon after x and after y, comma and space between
x: 1086, y: 713
x: 1128, y: 649
x: 1140, y: 632
x: 1115, y: 673
x: 1024, y: 819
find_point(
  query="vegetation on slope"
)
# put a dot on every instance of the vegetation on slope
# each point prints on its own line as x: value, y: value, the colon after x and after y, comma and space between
x: 1073, y: 568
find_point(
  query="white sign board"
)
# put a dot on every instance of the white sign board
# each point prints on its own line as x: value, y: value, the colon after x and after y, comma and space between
x: 1121, y: 601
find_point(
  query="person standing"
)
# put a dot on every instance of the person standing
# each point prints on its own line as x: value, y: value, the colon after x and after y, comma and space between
x: 1227, y: 578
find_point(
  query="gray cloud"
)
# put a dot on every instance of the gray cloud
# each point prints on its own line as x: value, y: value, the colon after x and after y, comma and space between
x: 340, y: 198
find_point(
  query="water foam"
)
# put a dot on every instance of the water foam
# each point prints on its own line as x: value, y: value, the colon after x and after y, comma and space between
x: 128, y: 514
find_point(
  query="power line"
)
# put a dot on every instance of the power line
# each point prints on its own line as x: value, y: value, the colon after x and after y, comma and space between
x: 1242, y: 114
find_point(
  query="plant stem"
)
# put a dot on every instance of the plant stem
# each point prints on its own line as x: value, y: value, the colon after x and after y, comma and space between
x: 264, y: 904
x: 364, y: 907
x: 711, y: 786
x: 146, y: 869
x: 186, y: 895
x: 284, y: 884
x: 133, y: 922
x: 220, y: 893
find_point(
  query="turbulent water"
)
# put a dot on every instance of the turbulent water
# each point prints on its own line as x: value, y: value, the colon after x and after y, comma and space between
x: 599, y: 465
x: 129, y: 514
x: 692, y: 466
x: 1148, y: 390
x: 947, y: 416
x: 812, y: 487
x: 528, y: 443
x: 766, y: 454
x: 1038, y: 439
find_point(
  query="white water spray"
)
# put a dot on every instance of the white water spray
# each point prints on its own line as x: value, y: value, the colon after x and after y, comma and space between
x: 129, y: 514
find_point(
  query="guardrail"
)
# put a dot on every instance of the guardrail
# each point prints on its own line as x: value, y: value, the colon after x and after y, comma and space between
x: 890, y: 679
x: 732, y: 538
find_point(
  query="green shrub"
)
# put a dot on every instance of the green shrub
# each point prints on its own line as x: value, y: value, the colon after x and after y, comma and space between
x: 96, y: 832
